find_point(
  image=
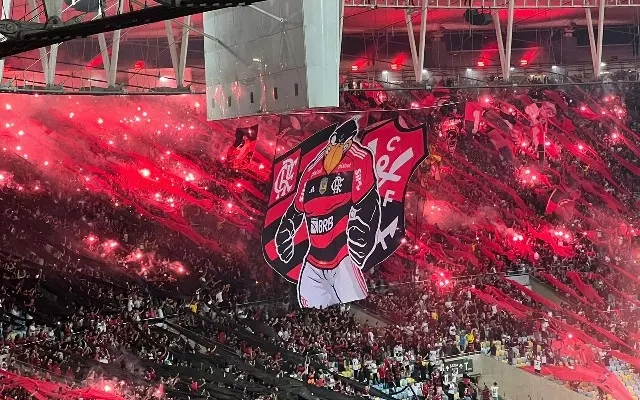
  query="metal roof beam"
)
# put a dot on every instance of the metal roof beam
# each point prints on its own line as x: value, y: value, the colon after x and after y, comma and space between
x: 491, y: 4
x: 21, y: 38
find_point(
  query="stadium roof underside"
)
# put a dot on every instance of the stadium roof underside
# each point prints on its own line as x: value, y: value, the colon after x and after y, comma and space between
x: 448, y: 14
x: 160, y: 56
x: 25, y: 29
x: 23, y: 35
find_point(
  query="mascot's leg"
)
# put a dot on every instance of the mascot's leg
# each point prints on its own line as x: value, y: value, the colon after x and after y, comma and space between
x: 314, y: 290
x: 348, y: 281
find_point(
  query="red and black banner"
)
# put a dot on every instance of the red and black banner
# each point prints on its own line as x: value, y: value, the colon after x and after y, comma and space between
x: 557, y: 199
x: 384, y: 154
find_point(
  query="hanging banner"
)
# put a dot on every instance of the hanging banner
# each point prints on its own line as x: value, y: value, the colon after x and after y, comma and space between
x: 337, y: 207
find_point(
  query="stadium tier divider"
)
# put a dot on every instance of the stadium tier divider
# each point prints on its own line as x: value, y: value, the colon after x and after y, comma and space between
x: 296, y: 358
x: 286, y: 385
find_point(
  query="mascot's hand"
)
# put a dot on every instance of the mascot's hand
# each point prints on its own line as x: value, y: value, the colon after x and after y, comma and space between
x: 358, y: 239
x: 284, y: 240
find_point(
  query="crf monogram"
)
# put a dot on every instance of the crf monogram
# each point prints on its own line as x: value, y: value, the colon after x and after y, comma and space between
x: 283, y: 183
x: 336, y: 186
x: 321, y: 225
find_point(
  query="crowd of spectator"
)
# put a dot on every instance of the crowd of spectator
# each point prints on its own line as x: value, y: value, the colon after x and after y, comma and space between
x: 196, y: 324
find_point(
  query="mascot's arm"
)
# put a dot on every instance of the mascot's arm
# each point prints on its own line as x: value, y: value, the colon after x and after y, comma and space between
x: 286, y: 233
x: 364, y: 220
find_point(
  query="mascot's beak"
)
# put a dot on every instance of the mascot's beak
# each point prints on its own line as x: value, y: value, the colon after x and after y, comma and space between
x: 333, y: 157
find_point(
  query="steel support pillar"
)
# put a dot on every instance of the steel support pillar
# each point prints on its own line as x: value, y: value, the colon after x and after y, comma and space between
x: 423, y: 39
x: 44, y: 54
x: 173, y: 49
x: 503, y: 62
x: 6, y: 14
x: 592, y: 41
x: 104, y: 52
x: 179, y: 63
x: 184, y: 47
x: 53, y: 9
x: 510, y: 12
x: 412, y: 45
x: 600, y: 33
x: 111, y: 63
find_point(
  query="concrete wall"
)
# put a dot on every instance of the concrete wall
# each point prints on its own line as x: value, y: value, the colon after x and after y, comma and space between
x: 516, y: 384
x: 365, y: 316
x: 546, y: 291
x: 521, y: 279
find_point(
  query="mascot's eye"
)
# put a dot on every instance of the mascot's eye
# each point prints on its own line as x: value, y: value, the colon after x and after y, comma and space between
x: 333, y: 139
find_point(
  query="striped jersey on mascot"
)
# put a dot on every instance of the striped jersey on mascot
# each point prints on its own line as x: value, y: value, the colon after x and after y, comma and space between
x: 328, y: 219
x: 338, y: 201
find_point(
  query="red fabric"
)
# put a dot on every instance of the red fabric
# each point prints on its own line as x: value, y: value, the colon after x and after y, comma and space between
x: 557, y: 99
x: 586, y: 112
x: 498, y: 139
x: 500, y: 295
x: 560, y: 285
x: 626, y: 358
x: 535, y: 296
x: 575, y: 349
x: 496, y: 183
x: 558, y: 197
x: 470, y: 109
x: 502, y: 305
x: 577, y: 333
x: 584, y: 288
x: 543, y: 233
x: 43, y: 390
x: 587, y: 155
x: 599, y: 329
x: 594, y: 374
x: 626, y: 273
x: 615, y: 289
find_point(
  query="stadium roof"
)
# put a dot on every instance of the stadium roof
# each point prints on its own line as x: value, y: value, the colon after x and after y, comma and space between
x: 150, y: 44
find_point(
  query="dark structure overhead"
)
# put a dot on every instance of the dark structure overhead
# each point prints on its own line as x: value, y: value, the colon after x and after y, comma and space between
x: 24, y: 36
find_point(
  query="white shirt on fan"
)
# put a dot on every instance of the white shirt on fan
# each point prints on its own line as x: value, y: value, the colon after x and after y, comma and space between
x: 494, y: 391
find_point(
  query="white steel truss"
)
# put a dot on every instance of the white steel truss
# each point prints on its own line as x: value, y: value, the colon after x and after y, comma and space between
x: 180, y: 48
x: 491, y: 4
x: 417, y: 53
x: 48, y: 58
x: 110, y: 63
